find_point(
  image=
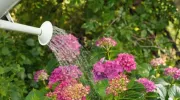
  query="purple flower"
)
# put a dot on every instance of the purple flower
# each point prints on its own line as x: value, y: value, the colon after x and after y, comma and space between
x: 112, y: 69
x: 106, y: 69
x: 65, y: 46
x: 106, y: 42
x: 63, y: 73
x: 170, y: 71
x: 40, y: 75
x: 98, y: 70
x: 149, y: 85
x: 126, y: 61
x: 177, y: 74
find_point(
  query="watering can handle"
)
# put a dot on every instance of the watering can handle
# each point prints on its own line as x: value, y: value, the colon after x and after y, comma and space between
x: 9, y: 18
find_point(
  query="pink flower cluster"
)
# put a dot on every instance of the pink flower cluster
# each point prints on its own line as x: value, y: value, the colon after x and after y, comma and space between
x: 173, y: 72
x: 63, y: 73
x: 65, y: 46
x: 149, y: 85
x: 40, y: 75
x: 177, y: 74
x: 106, y: 69
x: 111, y: 69
x: 126, y: 61
x: 158, y: 61
x: 70, y: 90
x: 117, y: 85
x: 106, y: 42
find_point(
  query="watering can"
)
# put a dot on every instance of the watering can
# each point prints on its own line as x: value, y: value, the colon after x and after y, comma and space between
x: 44, y: 33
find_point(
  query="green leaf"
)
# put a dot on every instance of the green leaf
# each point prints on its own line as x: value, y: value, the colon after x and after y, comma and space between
x: 30, y: 42
x: 174, y: 91
x: 51, y: 65
x: 144, y: 69
x: 91, y: 25
x: 96, y: 5
x: 130, y: 84
x: 1, y: 70
x: 5, y: 51
x: 135, y: 86
x: 161, y: 90
x: 36, y: 95
x: 133, y: 95
x: 15, y: 95
x: 161, y: 81
x: 152, y: 96
x: 143, y: 33
x: 100, y: 87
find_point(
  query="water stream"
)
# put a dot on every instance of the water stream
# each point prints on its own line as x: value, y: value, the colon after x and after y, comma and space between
x: 68, y: 51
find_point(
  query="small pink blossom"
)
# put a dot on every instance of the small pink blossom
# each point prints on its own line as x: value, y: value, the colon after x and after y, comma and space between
x: 157, y: 61
x: 170, y: 71
x: 40, y: 75
x: 117, y: 85
x: 63, y: 73
x: 106, y: 42
x: 126, y: 61
x: 149, y: 85
x: 177, y: 74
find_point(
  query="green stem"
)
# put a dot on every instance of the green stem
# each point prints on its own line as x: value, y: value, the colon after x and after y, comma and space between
x: 44, y: 83
x: 172, y: 82
x: 157, y: 72
x: 116, y: 98
x: 108, y: 53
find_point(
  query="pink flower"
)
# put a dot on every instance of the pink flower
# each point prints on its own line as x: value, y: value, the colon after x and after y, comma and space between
x: 170, y: 71
x: 63, y: 73
x: 106, y: 69
x: 112, y: 69
x: 117, y: 85
x: 158, y: 61
x: 177, y: 74
x: 98, y: 70
x: 65, y: 46
x: 149, y: 85
x: 70, y: 90
x: 126, y: 61
x: 106, y: 42
x: 40, y: 75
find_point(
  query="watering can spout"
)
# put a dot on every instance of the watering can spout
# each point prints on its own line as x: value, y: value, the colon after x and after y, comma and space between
x: 44, y: 32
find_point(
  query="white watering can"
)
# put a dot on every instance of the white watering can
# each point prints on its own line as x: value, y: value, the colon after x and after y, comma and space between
x: 44, y: 32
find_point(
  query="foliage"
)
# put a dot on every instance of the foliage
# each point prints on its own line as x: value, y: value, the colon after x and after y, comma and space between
x: 145, y: 28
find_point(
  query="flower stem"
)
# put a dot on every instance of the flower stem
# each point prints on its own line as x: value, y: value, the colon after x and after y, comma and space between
x: 108, y: 53
x: 44, y: 83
